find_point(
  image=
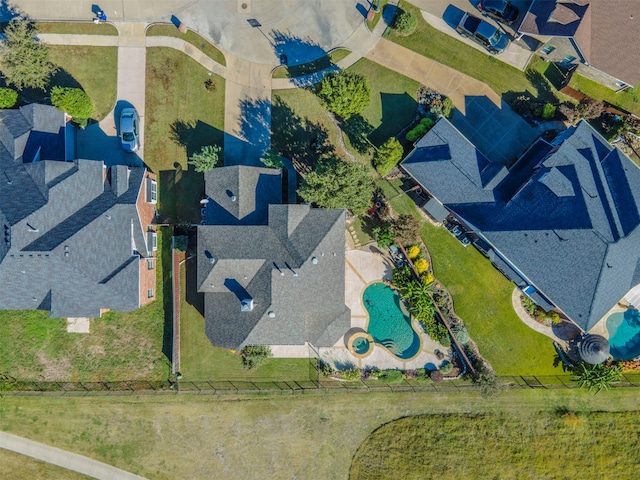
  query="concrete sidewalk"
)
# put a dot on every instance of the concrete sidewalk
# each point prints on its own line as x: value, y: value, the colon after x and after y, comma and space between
x: 62, y: 458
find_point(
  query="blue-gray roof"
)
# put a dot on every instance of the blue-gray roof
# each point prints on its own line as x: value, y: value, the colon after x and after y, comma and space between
x: 570, y: 226
x: 71, y: 248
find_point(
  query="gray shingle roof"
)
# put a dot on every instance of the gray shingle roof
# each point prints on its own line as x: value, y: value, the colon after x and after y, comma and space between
x: 71, y: 248
x: 572, y: 228
x: 240, y: 195
x: 292, y: 268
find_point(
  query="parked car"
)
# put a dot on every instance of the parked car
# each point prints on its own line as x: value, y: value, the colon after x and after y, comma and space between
x: 482, y: 32
x: 129, y: 135
x: 501, y: 10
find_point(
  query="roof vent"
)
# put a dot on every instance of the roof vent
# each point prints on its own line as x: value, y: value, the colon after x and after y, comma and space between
x: 272, y: 314
x: 246, y: 305
x: 212, y: 260
x: 233, y: 198
x: 31, y: 228
x: 314, y: 260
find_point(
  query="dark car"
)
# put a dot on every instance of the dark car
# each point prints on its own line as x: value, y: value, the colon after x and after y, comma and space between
x: 501, y: 10
x: 482, y: 32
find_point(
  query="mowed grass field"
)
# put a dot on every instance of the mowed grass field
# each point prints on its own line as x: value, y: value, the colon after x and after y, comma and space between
x: 508, y: 445
x: 27, y: 468
x: 302, y: 436
x: 181, y: 117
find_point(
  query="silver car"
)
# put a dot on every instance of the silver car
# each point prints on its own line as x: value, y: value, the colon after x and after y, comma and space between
x: 129, y: 130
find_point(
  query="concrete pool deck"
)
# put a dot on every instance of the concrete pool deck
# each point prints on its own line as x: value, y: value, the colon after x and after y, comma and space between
x: 362, y: 268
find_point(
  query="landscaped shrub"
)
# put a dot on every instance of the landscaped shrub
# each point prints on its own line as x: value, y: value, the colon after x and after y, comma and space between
x: 390, y: 377
x: 351, y: 374
x: 549, y: 111
x: 402, y: 276
x: 383, y: 235
x: 436, y: 376
x: 596, y: 377
x: 447, y: 107
x: 405, y: 23
x: 446, y: 368
x: 421, y: 265
x: 387, y: 156
x: 420, y: 130
x: 325, y: 368
x: 8, y: 97
x: 427, y: 278
x: 254, y: 355
x: 73, y: 101
x: 407, y: 229
x: 460, y: 333
x: 413, y: 252
x: 346, y: 93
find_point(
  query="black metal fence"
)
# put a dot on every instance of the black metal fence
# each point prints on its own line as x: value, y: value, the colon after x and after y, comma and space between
x: 289, y: 387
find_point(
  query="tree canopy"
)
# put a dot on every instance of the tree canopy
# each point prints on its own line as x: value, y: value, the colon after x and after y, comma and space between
x: 24, y: 60
x: 73, y: 101
x: 387, y: 156
x: 346, y: 93
x: 338, y: 184
x: 271, y: 159
x: 207, y: 158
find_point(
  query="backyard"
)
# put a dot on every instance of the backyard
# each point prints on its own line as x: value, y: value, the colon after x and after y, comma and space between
x: 316, y: 436
x: 38, y: 348
x: 181, y: 117
x: 482, y: 295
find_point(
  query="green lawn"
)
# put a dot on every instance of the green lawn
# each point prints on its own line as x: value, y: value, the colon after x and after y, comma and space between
x: 303, y: 436
x: 94, y: 69
x: 371, y: 24
x: 432, y: 43
x: 192, y: 37
x: 201, y: 361
x: 628, y: 100
x: 181, y: 117
x: 27, y: 468
x: 120, y: 346
x: 513, y: 445
x: 482, y: 298
x: 80, y: 28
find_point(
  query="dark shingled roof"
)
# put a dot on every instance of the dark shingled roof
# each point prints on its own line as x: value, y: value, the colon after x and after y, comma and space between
x: 291, y: 266
x: 571, y: 229
x: 71, y: 240
x: 602, y: 30
x: 240, y: 195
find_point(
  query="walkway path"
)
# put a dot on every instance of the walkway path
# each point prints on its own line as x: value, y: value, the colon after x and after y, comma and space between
x: 63, y: 458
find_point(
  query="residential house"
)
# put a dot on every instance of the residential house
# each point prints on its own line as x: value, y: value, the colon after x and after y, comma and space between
x: 271, y: 274
x: 598, y: 36
x: 563, y: 222
x: 77, y: 237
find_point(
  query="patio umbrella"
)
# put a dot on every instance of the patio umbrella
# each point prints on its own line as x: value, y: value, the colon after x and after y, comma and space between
x: 594, y: 349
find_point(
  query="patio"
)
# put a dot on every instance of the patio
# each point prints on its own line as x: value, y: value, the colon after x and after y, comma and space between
x: 364, y: 267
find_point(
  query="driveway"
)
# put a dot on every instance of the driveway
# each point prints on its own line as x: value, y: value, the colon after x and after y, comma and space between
x: 443, y: 15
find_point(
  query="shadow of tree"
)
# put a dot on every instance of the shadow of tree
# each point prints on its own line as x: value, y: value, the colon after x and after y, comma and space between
x: 253, y: 136
x: 298, y: 139
x: 306, y: 61
x: 357, y: 129
x: 194, y: 134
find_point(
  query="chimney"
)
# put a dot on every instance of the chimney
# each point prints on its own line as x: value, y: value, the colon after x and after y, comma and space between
x: 246, y: 305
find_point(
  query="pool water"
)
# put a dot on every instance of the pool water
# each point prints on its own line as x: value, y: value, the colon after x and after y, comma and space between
x: 624, y: 334
x: 389, y: 325
x: 361, y: 345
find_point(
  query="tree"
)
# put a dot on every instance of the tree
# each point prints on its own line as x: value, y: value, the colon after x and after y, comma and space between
x: 387, y: 156
x: 346, y: 93
x: 338, y: 184
x: 255, y: 355
x: 596, y: 377
x: 406, y: 229
x: 405, y: 23
x: 8, y: 97
x: 271, y: 159
x: 383, y: 234
x: 73, y: 101
x: 24, y: 60
x: 207, y: 158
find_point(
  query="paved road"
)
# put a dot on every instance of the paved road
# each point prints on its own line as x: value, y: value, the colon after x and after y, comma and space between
x: 63, y: 458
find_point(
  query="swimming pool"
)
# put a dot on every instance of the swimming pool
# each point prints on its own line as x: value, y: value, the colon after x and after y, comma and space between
x: 624, y: 334
x: 389, y: 324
